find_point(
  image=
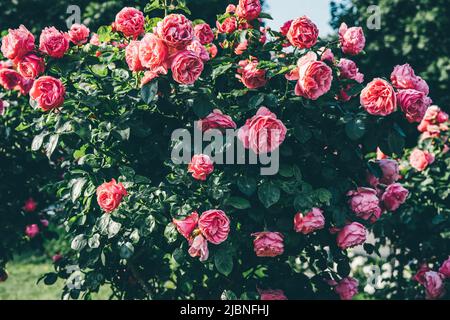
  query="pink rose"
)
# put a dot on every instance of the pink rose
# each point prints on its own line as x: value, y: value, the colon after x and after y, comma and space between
x: 231, y: 8
x: 186, y: 67
x: 268, y: 244
x: 32, y: 230
x: 303, y: 33
x: 56, y: 258
x: 212, y: 49
x: 403, y: 77
x: 48, y: 93
x: 422, y: 86
x: 197, y: 48
x: 315, y: 77
x: 352, y: 39
x: 442, y: 117
x: 390, y: 171
x: 248, y: 9
x: 130, y: 22
x: 53, y: 42
x: 10, y: 79
x: 153, y: 52
x: 199, y: 248
x: 30, y: 205
x: 186, y: 226
x: 312, y: 221
x: 378, y: 98
x: 110, y: 194
x: 445, y: 268
x: 17, y: 43
x: 132, y: 56
x: 413, y: 103
x: 347, y: 288
x: 201, y: 166
x: 420, y: 159
x: 349, y: 70
x: 176, y: 30
x: 79, y: 34
x: 351, y: 235
x: 229, y: 25
x: 285, y: 27
x: 394, y: 196
x: 250, y: 75
x: 272, y: 295
x: 95, y: 40
x: 241, y: 47
x: 203, y: 33
x: 420, y: 275
x: 216, y: 120
x: 365, y: 204
x: 30, y: 66
x: 326, y: 55
x: 434, y: 285
x: 263, y: 132
x: 45, y: 222
x: 214, y: 225
x: 149, y: 75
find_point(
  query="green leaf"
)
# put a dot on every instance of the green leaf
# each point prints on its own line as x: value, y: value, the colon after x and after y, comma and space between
x: 396, y: 143
x: 220, y: 70
x: 37, y: 141
x: 100, y: 70
x: 223, y: 261
x: 126, y: 250
x: 355, y: 129
x: 51, y: 146
x: 170, y: 232
x: 269, y: 194
x: 264, y: 15
x: 77, y: 187
x: 238, y: 203
x: 202, y: 106
x: 50, y: 278
x: 247, y: 185
x: 149, y: 92
x: 79, y: 242
x: 256, y: 101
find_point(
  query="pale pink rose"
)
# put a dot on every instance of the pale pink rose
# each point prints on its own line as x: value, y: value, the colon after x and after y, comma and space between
x: 203, y: 33
x: 263, y: 132
x: 310, y: 222
x: 153, y: 52
x: 390, y: 171
x: 132, y: 56
x: 394, y: 196
x: 214, y: 225
x: 292, y: 75
x: 422, y: 86
x: 241, y: 47
x: 30, y: 66
x: 231, y: 8
x: 95, y: 40
x: 149, y: 75
x: 413, y: 103
x: 48, y: 93
x: 216, y: 120
x: 79, y: 34
x: 130, y: 22
x: 197, y: 48
x: 30, y: 205
x: 201, y: 166
x: 434, y: 285
x: 176, y: 30
x: 315, y: 78
x: 17, y: 43
x: 352, y: 39
x: 365, y: 204
x: 10, y: 79
x: 229, y: 25
x: 110, y: 194
x: 403, y: 77
x: 53, y: 42
x: 285, y: 27
x: 420, y: 160
x: 303, y: 33
x: 326, y: 55
x: 351, y: 235
x: 445, y: 268
x: 32, y: 230
x: 272, y: 295
x: 349, y: 70
x: 186, y: 67
x: 186, y: 226
x: 250, y: 75
x: 378, y: 98
x: 248, y: 9
x: 268, y: 244
x: 199, y: 248
x: 347, y: 288
x: 420, y: 275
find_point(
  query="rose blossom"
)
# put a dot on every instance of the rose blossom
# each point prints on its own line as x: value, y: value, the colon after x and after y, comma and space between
x: 347, y: 288
x: 201, y: 166
x: 212, y: 50
x: 248, y: 9
x: 420, y: 159
x: 214, y: 225
x: 197, y: 48
x: 403, y: 77
x: 186, y: 67
x: 48, y: 93
x: 231, y: 8
x: 315, y: 77
x: 132, y: 56
x: 30, y: 205
x: 17, y: 43
x: 312, y: 221
x: 30, y: 66
x: 365, y: 204
x: 176, y: 30
x: 241, y: 47
x: 229, y: 25
x: 326, y: 55
x: 53, y: 42
x: 420, y: 275
x: 130, y: 22
x: 413, y: 103
x: 153, y: 52
x: 186, y: 226
x: 378, y: 98
x: 445, y: 268
x: 434, y: 285
x: 390, y: 172
x: 268, y: 244
x: 422, y: 86
x: 203, y: 33
x: 32, y: 230
x: 351, y: 235
x: 250, y: 75
x: 285, y: 27
x: 57, y: 257
x: 10, y: 79
x: 95, y: 40
x: 149, y: 75
x: 349, y: 70
x: 394, y: 196
x: 199, y: 248
x: 216, y: 120
x: 78, y: 34
x: 352, y: 39
x: 303, y: 33
x: 272, y: 295
x: 263, y: 132
x: 110, y: 194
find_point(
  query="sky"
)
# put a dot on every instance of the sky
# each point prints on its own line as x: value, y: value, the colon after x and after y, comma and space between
x: 283, y: 10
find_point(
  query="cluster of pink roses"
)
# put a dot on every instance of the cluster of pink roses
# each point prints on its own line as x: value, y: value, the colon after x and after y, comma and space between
x: 433, y: 281
x: 420, y: 159
x: 433, y: 123
x: 212, y: 226
x: 239, y: 16
x: 110, y: 194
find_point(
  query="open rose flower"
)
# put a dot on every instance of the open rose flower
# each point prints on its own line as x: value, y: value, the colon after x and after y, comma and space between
x: 262, y: 133
x: 153, y: 52
x: 32, y: 230
x: 272, y: 295
x: 199, y: 49
x: 48, y: 93
x: 351, y: 235
x: 214, y: 225
x: 79, y: 34
x: 250, y: 75
x: 413, y: 103
x: 403, y: 77
x: 30, y: 205
x: 445, y: 268
x: 186, y: 226
x: 203, y: 33
x: 110, y: 194
x: 394, y: 196
x: 216, y: 120
x: 10, y: 79
x: 434, y: 285
x: 378, y: 98
x: 347, y: 288
x: 132, y: 56
x: 310, y: 222
x: 248, y: 9
x: 285, y: 27
x: 303, y: 33
x: 199, y: 248
x: 268, y: 244
x: 365, y: 204
x: 420, y: 159
x: 53, y: 42
x: 130, y: 22
x: 349, y: 70
x: 176, y: 30
x: 201, y: 166
x: 30, y: 66
x: 229, y: 25
x: 390, y: 173
x: 420, y: 275
x: 17, y: 43
x: 186, y: 67
x: 352, y: 39
x: 149, y: 75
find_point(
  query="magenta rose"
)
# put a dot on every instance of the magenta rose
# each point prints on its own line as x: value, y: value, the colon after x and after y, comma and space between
x: 248, y: 9
x: 310, y: 222
x: 445, y: 268
x: 272, y: 295
x: 186, y: 226
x: 130, y: 22
x: 365, y: 204
x: 110, y: 194
x: 199, y: 248
x: 349, y: 70
x: 403, y: 77
x: 203, y: 33
x: 420, y: 160
x: 262, y: 133
x: 351, y: 235
x: 347, y: 288
x: 250, y: 75
x: 17, y: 43
x: 32, y: 230
x: 53, y: 42
x: 268, y: 244
x: 394, y: 196
x: 214, y: 225
x: 79, y: 34
x: 284, y: 29
x: 303, y: 33
x: 186, y: 67
x: 30, y: 205
x: 132, y: 56
x: 315, y: 77
x: 420, y: 275
x: 48, y: 93
x: 413, y: 103
x: 153, y: 52
x: 216, y: 120
x: 201, y: 166
x: 434, y: 285
x: 30, y: 66
x: 378, y: 98
x: 176, y: 30
x: 352, y: 39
